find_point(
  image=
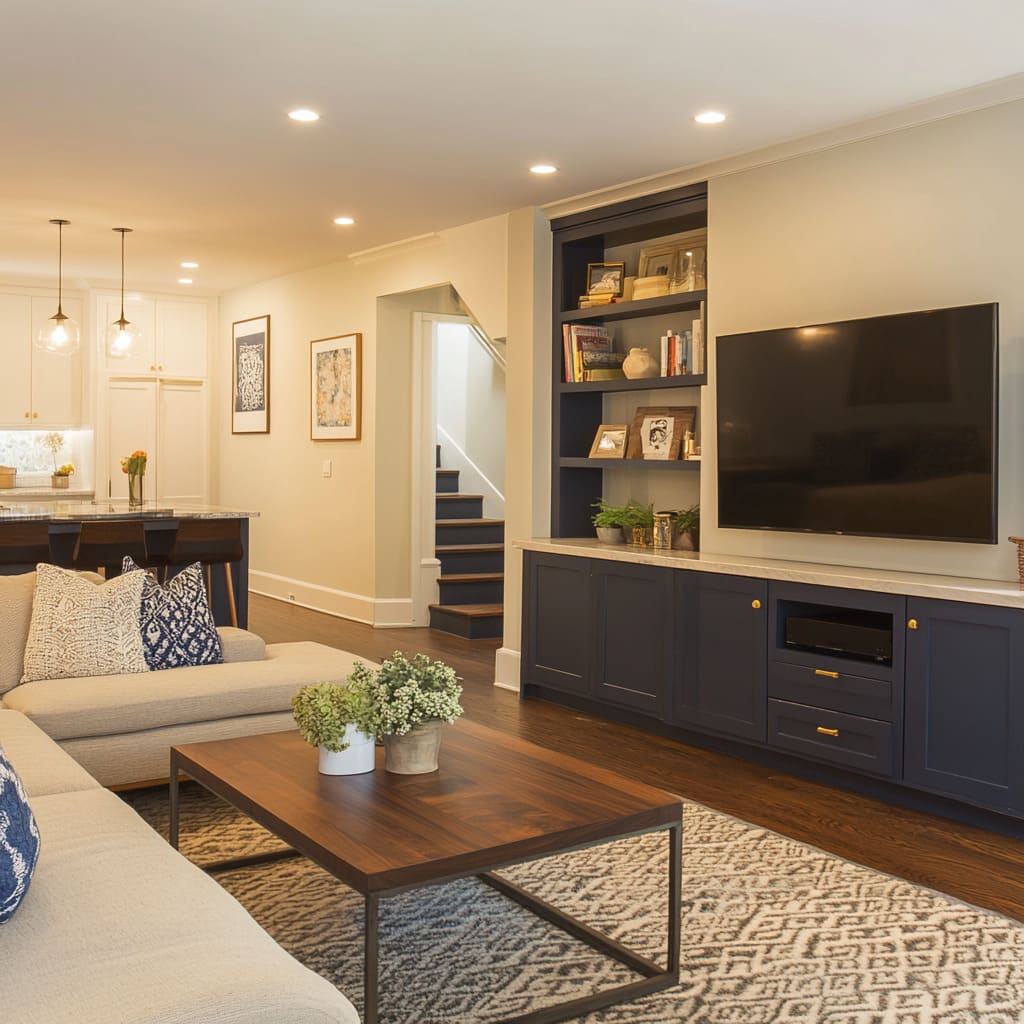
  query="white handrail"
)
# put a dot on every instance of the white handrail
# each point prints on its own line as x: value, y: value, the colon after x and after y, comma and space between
x: 491, y: 347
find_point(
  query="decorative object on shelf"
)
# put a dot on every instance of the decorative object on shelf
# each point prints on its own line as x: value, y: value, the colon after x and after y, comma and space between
x: 605, y: 278
x: 53, y: 441
x: 135, y: 466
x: 610, y: 441
x: 689, y: 263
x: 650, y: 287
x: 627, y: 289
x: 639, y: 524
x: 657, y: 261
x: 584, y: 341
x: 335, y: 370
x: 609, y: 521
x: 663, y: 529
x: 639, y: 364
x: 250, y: 383
x: 1019, y: 541
x: 413, y: 699
x: 122, y: 334
x: 650, y: 438
x: 602, y: 365
x: 341, y: 720
x: 62, y: 476
x: 60, y: 333
x: 686, y: 529
x: 8, y: 477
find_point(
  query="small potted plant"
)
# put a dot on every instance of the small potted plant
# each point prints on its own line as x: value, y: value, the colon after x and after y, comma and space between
x: 341, y: 720
x: 61, y: 475
x: 686, y: 531
x: 639, y: 521
x: 608, y: 521
x: 54, y: 441
x: 413, y: 700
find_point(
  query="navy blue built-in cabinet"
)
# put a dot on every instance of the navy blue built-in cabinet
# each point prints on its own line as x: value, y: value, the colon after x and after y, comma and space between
x: 941, y: 710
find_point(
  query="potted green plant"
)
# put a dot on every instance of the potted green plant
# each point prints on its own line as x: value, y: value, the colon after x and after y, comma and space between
x: 341, y: 720
x: 639, y: 522
x: 413, y: 700
x: 686, y: 529
x: 62, y: 474
x: 608, y: 521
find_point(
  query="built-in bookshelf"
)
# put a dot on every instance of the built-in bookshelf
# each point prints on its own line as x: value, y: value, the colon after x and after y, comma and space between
x: 617, y: 234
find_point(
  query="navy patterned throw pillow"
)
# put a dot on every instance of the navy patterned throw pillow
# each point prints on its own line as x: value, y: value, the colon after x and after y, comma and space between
x: 176, y: 622
x: 19, y: 841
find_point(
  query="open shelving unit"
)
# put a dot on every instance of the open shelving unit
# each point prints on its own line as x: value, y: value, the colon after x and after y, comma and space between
x: 578, y: 409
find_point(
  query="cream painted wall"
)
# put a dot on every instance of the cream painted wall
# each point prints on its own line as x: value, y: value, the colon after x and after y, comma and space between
x: 319, y: 538
x: 925, y: 217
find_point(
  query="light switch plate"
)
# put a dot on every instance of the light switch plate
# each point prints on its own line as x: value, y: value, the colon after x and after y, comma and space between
x: 326, y: 467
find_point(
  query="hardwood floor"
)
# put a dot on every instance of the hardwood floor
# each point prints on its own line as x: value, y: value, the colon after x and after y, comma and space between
x: 972, y: 864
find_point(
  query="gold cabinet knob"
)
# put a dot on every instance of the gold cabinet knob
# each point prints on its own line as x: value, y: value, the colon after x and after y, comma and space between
x: 912, y: 624
x: 160, y: 367
x: 152, y: 368
x: 27, y: 415
x: 35, y: 415
x: 755, y: 603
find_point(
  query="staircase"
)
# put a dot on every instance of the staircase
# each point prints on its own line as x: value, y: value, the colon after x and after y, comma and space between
x: 471, y: 550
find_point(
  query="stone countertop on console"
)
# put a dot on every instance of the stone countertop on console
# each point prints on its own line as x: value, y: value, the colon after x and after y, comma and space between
x: 1005, y: 593
x: 80, y: 511
x: 45, y: 494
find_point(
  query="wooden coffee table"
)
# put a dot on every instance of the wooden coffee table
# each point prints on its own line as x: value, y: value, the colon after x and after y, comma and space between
x: 495, y: 801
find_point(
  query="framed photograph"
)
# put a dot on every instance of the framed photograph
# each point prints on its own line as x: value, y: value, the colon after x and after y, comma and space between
x: 657, y: 260
x: 335, y: 378
x: 605, y: 278
x: 250, y: 376
x: 658, y: 432
x: 610, y: 441
x: 689, y: 270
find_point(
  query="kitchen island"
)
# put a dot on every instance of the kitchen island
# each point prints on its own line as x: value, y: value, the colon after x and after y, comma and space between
x: 21, y: 537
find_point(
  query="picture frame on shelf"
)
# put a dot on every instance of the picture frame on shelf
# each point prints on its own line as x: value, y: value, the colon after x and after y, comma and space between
x: 605, y: 278
x: 610, y: 441
x: 657, y: 432
x: 657, y: 260
x: 689, y: 268
x: 335, y: 379
x: 250, y: 376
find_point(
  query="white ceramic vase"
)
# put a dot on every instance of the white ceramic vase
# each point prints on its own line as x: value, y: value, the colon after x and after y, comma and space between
x: 357, y: 759
x: 640, y: 363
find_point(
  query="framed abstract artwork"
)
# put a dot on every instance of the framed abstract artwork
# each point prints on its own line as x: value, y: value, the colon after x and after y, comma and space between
x: 335, y: 377
x: 250, y: 376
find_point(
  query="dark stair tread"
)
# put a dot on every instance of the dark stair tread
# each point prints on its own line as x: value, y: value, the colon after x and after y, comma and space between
x: 457, y: 549
x: 457, y: 496
x: 472, y: 577
x: 447, y: 472
x: 470, y: 522
x: 470, y: 611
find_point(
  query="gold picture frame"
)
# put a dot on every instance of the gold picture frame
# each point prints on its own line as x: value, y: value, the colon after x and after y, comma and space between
x: 668, y: 445
x: 610, y: 441
x: 657, y: 261
x: 606, y: 278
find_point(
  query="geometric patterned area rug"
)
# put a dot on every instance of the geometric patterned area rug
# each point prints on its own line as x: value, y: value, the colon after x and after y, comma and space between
x: 774, y: 932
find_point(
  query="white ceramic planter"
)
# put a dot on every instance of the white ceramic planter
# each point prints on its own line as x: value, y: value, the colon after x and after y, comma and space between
x: 357, y: 759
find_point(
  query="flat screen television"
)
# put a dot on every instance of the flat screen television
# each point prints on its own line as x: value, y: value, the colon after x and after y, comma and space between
x: 880, y: 427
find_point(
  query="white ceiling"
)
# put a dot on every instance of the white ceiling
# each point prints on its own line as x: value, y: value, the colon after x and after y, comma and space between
x: 170, y: 118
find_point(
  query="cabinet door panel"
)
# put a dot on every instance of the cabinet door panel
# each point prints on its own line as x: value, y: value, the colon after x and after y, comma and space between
x: 181, y: 338
x: 181, y: 444
x: 558, y: 635
x: 720, y: 679
x: 16, y: 345
x: 965, y: 702
x: 634, y: 635
x: 131, y: 425
x: 56, y: 378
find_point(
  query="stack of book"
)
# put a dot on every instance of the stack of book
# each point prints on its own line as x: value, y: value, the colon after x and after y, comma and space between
x: 598, y: 299
x: 588, y: 355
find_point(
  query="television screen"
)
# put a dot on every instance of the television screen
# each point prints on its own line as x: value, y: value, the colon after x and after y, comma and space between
x: 878, y: 427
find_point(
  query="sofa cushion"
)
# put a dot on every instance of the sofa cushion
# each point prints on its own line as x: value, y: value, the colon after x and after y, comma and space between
x: 241, y: 645
x: 16, y: 594
x: 111, y: 704
x: 175, y: 621
x: 19, y: 841
x: 81, y: 629
x: 120, y: 927
x: 44, y: 768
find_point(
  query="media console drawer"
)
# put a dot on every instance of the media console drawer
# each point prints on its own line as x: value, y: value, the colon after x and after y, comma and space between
x: 834, y: 688
x: 848, y: 740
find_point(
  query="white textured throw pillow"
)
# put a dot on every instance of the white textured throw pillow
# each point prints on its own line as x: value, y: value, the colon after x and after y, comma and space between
x: 80, y: 628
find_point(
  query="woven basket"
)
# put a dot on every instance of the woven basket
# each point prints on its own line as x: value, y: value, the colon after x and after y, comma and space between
x: 1019, y: 541
x: 8, y: 477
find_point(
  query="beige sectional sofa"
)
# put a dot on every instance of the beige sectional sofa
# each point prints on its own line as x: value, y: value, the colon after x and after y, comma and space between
x: 118, y: 927
x: 120, y: 728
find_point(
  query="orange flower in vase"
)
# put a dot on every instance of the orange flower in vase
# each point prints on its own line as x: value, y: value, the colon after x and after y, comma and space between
x: 135, y: 466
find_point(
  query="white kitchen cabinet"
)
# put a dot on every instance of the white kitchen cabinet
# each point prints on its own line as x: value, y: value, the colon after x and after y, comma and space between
x: 167, y: 420
x: 40, y: 390
x: 172, y: 337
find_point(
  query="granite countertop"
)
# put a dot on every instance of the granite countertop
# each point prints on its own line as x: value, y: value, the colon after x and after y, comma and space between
x: 1005, y: 593
x: 80, y: 511
x: 47, y: 494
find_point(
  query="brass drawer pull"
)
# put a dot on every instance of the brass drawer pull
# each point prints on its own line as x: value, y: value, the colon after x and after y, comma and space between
x: 827, y: 732
x: 825, y: 672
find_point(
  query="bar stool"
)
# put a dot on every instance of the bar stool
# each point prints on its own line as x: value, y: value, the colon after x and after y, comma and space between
x: 24, y: 544
x: 103, y: 545
x: 212, y: 542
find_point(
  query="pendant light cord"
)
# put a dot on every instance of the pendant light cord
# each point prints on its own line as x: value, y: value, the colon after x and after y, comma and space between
x: 60, y: 270
x: 122, y: 276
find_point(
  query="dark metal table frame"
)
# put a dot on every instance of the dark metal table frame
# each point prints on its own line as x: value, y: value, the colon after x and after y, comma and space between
x: 655, y: 977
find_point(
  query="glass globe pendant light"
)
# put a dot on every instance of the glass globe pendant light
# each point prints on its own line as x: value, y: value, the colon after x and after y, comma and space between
x: 60, y: 333
x: 122, y: 334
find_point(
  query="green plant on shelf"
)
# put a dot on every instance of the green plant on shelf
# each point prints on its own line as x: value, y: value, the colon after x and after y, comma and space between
x: 608, y: 515
x: 638, y: 515
x: 688, y: 519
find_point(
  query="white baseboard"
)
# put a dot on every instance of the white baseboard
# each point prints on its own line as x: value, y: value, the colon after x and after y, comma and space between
x: 506, y: 668
x: 380, y: 612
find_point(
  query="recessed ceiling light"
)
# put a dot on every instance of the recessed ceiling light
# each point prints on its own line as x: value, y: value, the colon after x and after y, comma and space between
x: 543, y: 169
x: 709, y: 117
x: 344, y: 221
x: 304, y: 115
x: 184, y: 280
x: 189, y: 265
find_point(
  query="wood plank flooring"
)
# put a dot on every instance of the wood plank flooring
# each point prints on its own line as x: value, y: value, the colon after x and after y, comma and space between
x: 972, y: 864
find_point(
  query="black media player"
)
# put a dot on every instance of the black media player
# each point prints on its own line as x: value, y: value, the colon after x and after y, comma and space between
x: 848, y: 634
